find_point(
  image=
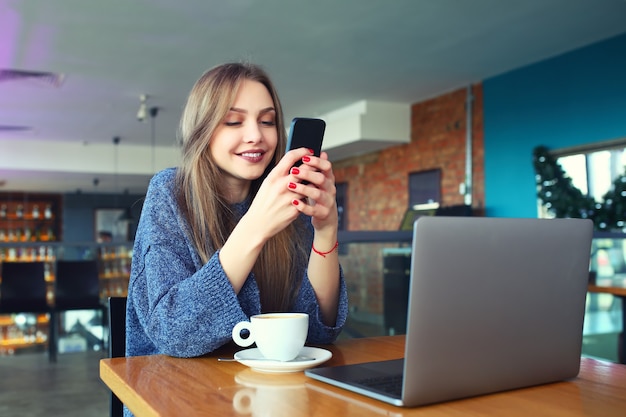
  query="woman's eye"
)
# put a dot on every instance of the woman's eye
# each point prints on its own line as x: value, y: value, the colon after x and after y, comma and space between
x: 268, y: 122
x: 227, y: 123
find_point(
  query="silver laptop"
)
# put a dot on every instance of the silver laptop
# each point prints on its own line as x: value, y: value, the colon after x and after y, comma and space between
x: 494, y: 304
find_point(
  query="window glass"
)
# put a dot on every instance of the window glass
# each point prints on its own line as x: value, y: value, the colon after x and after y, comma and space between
x: 424, y: 187
x: 593, y: 169
x: 576, y: 168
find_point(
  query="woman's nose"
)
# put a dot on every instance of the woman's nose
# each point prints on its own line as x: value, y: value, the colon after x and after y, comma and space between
x: 253, y: 133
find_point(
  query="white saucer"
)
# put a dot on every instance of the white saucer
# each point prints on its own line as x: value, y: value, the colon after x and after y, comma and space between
x: 254, y: 359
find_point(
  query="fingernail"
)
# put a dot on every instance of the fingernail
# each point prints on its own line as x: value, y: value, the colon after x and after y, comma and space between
x: 305, y: 159
x: 292, y: 185
x: 311, y: 151
x: 295, y: 171
x: 295, y: 202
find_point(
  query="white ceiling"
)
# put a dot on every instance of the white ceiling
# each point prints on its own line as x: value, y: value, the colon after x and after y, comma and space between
x: 323, y: 55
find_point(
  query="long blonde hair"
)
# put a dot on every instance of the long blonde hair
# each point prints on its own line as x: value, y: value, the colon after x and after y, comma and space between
x: 278, y: 269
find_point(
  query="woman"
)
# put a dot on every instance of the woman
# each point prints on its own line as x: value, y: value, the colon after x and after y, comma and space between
x: 233, y: 231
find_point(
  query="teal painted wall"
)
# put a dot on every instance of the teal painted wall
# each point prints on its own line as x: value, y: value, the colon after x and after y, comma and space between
x: 573, y: 99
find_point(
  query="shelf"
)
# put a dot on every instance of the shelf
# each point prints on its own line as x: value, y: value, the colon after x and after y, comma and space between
x: 21, y: 342
x: 6, y: 320
x: 26, y: 217
x: 113, y: 277
x: 114, y: 261
x: 35, y: 235
x: 13, y: 339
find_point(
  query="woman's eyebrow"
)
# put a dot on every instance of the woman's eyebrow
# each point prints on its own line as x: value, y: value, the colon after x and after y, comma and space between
x: 263, y: 111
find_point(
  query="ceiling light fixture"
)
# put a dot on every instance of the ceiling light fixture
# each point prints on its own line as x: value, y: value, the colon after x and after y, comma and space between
x: 142, y: 113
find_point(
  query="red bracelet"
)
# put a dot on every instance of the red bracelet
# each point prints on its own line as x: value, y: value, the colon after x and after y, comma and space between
x: 323, y: 254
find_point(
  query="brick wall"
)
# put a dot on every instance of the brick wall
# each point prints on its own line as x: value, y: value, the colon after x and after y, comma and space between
x: 377, y: 183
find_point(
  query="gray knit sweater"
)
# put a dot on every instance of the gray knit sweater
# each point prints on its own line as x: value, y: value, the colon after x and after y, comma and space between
x: 179, y: 306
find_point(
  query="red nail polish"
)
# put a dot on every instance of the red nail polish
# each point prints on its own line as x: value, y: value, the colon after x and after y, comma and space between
x: 306, y: 159
x: 295, y: 171
x: 295, y: 202
x: 292, y: 185
x: 311, y: 151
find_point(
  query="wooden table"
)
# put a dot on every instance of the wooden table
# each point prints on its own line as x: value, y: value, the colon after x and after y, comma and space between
x: 165, y: 386
x: 619, y: 291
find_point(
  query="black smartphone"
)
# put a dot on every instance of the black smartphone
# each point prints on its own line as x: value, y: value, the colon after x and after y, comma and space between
x: 306, y: 133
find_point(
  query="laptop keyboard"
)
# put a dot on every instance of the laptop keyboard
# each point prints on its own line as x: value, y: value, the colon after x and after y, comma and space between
x: 391, y: 384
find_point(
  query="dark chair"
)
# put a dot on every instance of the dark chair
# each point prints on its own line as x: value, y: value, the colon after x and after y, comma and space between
x: 77, y: 287
x: 117, y: 342
x: 24, y: 290
x: 396, y: 277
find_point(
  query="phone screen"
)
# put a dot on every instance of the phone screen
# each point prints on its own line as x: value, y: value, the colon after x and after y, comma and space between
x: 306, y: 133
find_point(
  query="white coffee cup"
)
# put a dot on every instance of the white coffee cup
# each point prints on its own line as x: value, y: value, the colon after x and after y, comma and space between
x: 279, y: 336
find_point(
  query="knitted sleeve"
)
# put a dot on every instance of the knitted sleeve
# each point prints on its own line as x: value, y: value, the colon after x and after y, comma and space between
x: 306, y: 302
x: 176, y: 306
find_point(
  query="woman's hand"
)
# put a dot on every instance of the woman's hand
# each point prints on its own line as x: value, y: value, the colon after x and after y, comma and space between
x: 317, y: 198
x: 274, y: 207
x: 282, y: 197
x: 278, y: 202
x: 319, y: 201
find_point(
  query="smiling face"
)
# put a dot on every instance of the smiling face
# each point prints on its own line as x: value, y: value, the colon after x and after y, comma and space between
x: 244, y: 143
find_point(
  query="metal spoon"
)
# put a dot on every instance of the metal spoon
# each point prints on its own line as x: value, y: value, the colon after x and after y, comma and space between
x: 296, y: 359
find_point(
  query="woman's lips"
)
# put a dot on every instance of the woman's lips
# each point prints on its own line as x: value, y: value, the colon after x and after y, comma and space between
x: 252, y: 156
